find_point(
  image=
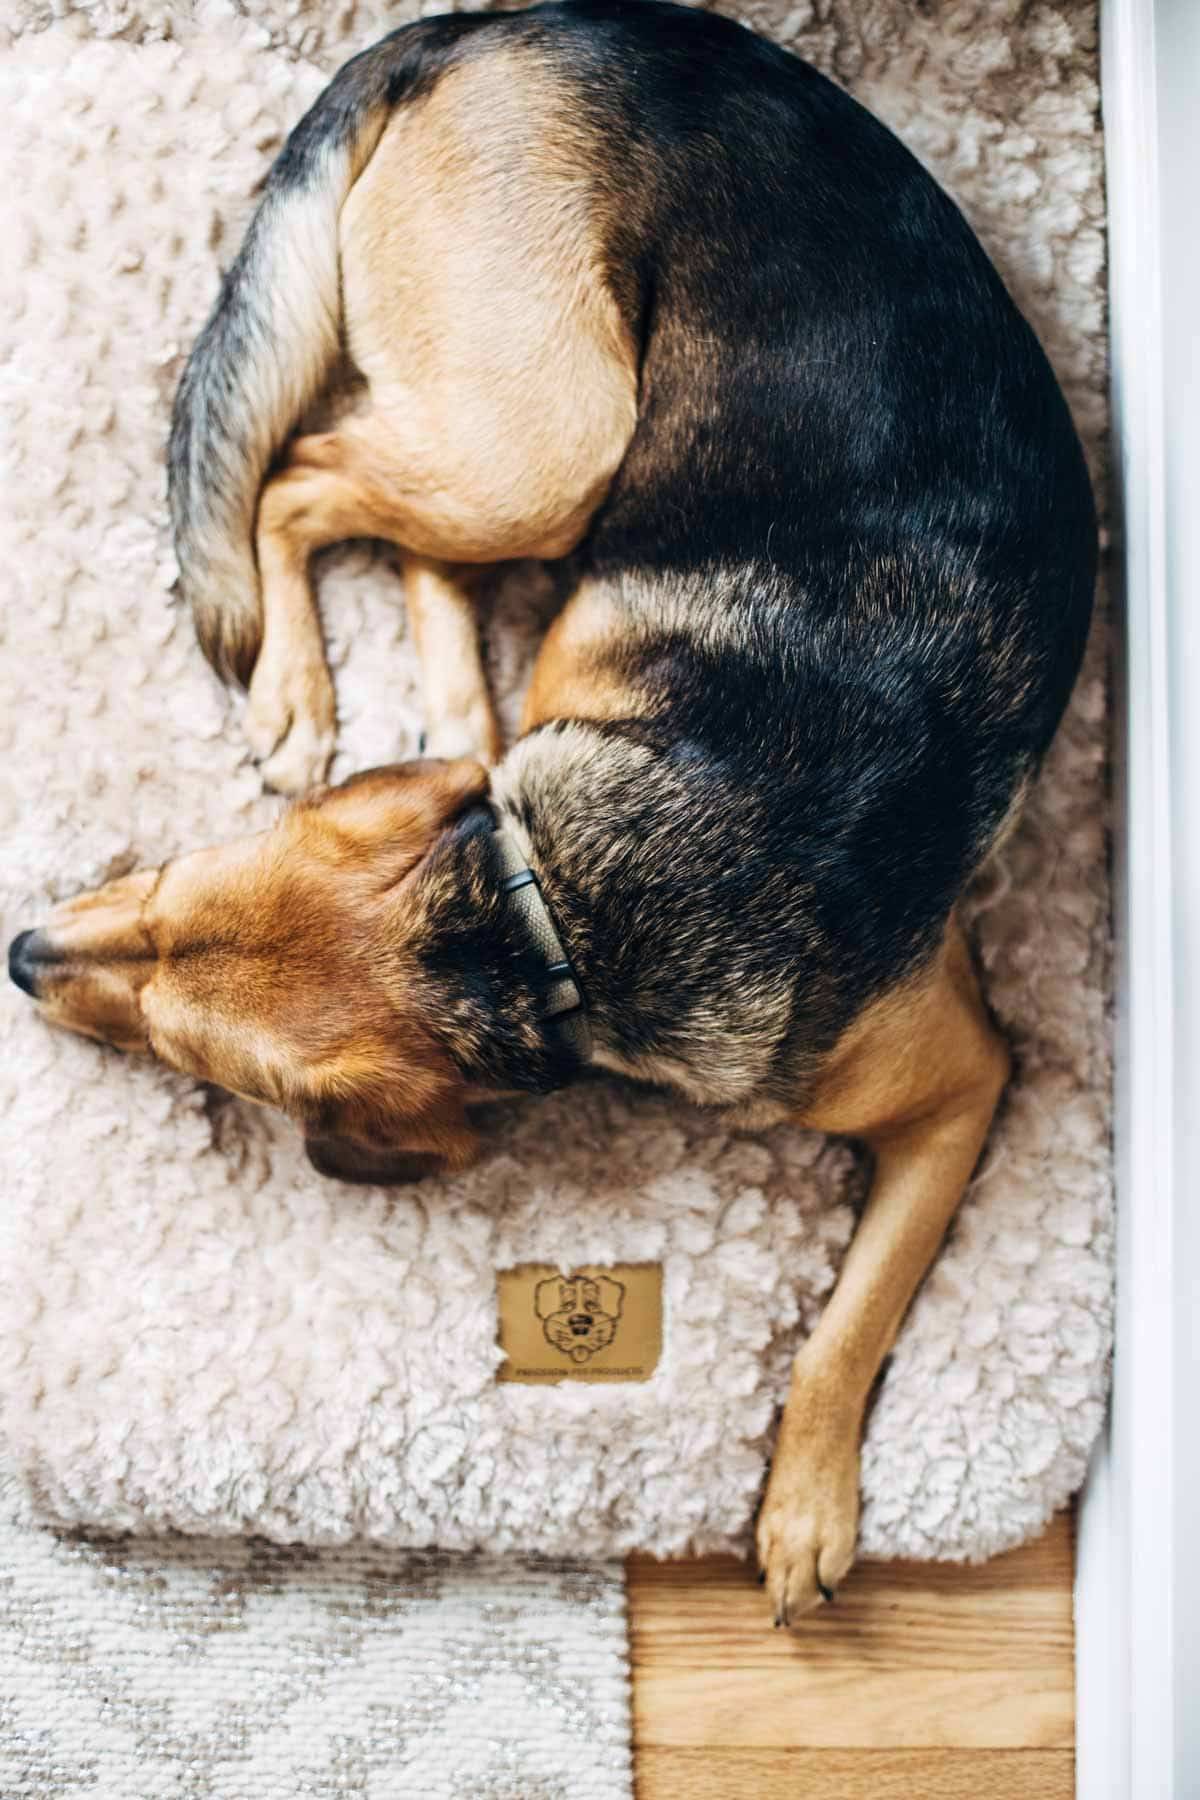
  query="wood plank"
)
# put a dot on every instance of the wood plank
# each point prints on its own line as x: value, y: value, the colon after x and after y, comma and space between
x: 855, y: 1775
x: 912, y: 1655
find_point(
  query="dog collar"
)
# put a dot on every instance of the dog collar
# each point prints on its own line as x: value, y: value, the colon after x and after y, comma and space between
x: 563, y: 1008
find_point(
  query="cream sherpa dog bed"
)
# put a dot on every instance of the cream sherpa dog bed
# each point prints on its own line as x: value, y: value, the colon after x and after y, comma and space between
x: 196, y: 1331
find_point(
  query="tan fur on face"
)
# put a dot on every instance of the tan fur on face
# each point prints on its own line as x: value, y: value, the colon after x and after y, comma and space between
x: 282, y: 967
x: 104, y: 957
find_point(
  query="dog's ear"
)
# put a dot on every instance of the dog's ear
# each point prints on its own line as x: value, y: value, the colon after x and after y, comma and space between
x: 547, y: 1297
x: 396, y: 811
x: 366, y: 1134
x: 612, y: 1296
x: 387, y: 1165
x: 341, y: 1159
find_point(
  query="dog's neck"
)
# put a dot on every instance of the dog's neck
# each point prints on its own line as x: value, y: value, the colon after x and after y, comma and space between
x: 677, y: 994
x: 557, y: 993
x: 638, y: 845
x: 508, y: 1002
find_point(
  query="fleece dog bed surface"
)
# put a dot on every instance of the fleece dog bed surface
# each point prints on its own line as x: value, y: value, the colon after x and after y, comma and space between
x: 196, y: 1330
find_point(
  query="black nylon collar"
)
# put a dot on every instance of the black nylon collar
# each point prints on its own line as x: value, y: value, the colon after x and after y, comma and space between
x: 561, y: 1002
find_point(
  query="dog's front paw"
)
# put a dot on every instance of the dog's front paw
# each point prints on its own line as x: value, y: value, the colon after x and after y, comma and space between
x: 290, y: 723
x: 808, y: 1526
x: 472, y: 732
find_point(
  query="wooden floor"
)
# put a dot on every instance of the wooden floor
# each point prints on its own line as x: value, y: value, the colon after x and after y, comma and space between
x: 922, y: 1682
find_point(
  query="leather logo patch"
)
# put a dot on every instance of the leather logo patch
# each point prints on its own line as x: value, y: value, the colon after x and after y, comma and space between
x: 594, y: 1324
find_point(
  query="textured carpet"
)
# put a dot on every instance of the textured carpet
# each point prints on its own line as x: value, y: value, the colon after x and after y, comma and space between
x: 138, y: 1670
x: 195, y: 1330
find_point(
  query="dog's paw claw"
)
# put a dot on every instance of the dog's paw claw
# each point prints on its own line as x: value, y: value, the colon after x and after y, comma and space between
x: 803, y: 1569
x: 807, y: 1533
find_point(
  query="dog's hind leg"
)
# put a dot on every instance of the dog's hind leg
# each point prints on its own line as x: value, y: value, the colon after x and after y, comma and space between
x: 337, y: 485
x: 290, y: 720
x: 365, y: 480
x: 918, y: 1078
x: 503, y: 382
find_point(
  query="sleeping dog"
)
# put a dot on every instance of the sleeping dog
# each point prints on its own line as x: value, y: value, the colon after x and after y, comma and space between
x: 628, y: 286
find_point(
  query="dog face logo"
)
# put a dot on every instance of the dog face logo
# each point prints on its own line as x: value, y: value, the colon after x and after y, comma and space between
x: 579, y: 1313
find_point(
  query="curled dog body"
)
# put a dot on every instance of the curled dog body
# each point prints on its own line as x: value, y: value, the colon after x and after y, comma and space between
x: 630, y: 287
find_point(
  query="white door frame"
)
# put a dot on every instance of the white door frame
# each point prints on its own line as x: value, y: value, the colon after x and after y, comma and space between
x: 1138, y: 1564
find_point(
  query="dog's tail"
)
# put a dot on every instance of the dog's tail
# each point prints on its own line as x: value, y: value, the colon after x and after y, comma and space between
x: 273, y: 336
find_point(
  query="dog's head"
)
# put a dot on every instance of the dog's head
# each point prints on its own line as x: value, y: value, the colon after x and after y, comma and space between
x: 284, y: 968
x: 579, y: 1313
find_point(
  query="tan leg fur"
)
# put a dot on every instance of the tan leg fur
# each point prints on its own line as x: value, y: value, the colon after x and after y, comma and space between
x: 918, y: 1078
x: 445, y: 630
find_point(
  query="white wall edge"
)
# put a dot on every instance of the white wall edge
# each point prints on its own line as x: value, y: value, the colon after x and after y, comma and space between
x: 1132, y: 1714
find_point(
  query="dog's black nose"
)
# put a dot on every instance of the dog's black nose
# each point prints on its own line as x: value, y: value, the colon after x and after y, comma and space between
x: 23, y: 961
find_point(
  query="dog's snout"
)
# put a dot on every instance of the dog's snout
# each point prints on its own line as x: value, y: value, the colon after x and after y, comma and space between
x: 28, y: 953
x: 579, y: 1324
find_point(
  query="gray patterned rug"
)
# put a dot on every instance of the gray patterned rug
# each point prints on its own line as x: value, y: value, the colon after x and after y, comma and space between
x: 138, y: 1670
